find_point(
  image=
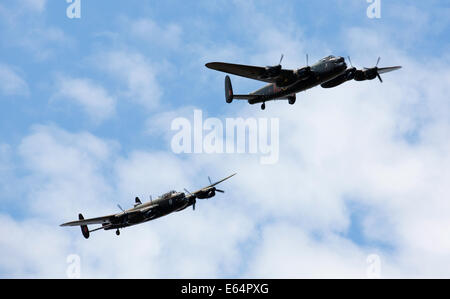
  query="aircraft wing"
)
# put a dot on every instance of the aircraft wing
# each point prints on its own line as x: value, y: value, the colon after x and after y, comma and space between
x: 109, y: 218
x: 251, y: 72
x: 143, y: 210
x: 246, y: 96
x: 383, y: 70
x: 212, y: 185
x: 98, y: 220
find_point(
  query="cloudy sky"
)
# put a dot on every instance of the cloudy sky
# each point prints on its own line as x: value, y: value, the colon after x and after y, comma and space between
x: 363, y: 177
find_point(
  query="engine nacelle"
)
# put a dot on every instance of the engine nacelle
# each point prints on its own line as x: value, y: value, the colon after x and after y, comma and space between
x: 348, y: 75
x: 272, y: 72
x: 303, y: 72
x: 335, y: 82
x: 367, y: 74
x: 207, y: 194
x: 371, y: 73
x: 292, y: 99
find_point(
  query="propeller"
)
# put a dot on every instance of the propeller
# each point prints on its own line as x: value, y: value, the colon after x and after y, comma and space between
x: 351, y: 72
x: 195, y: 201
x: 375, y: 69
x: 350, y: 61
x: 281, y: 59
x: 207, y: 192
x: 370, y: 73
x: 120, y: 208
x: 307, y: 59
x: 209, y: 179
x: 273, y: 71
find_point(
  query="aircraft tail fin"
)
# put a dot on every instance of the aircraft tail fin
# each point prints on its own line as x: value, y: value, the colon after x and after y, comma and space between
x: 228, y: 90
x: 230, y: 96
x: 84, y: 228
x: 138, y: 201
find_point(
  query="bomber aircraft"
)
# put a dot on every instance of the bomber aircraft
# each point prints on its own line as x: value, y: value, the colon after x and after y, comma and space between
x: 166, y: 204
x: 284, y: 84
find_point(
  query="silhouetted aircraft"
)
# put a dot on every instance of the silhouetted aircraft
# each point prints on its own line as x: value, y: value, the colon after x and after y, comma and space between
x: 142, y: 212
x: 284, y: 84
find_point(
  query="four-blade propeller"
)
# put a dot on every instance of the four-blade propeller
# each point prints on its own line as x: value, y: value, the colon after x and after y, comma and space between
x: 374, y: 70
x: 371, y: 73
x: 206, y: 192
x: 281, y: 59
x: 209, y: 179
x: 273, y: 71
x: 194, y: 199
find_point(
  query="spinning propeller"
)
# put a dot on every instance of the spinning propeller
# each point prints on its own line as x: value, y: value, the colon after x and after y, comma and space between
x: 207, y: 192
x: 371, y: 73
x: 374, y: 71
x: 274, y: 71
x: 281, y: 59
x: 195, y: 200
x: 214, y: 188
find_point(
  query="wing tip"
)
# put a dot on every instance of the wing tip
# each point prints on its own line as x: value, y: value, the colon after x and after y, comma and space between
x: 212, y: 65
x: 229, y: 177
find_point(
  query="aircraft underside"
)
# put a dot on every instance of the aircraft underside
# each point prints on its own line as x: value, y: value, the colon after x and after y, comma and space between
x: 284, y: 84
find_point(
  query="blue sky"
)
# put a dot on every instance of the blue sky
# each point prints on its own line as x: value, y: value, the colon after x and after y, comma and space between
x: 216, y: 23
x: 85, y: 124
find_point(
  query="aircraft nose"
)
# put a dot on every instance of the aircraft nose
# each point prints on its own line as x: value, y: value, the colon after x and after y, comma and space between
x: 342, y: 65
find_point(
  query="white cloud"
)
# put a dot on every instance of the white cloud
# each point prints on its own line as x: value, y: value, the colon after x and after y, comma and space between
x: 13, y: 10
x: 93, y: 98
x: 43, y: 41
x: 68, y: 176
x: 146, y: 29
x: 382, y: 147
x: 31, y: 248
x: 11, y: 83
x: 159, y: 125
x: 6, y: 170
x: 138, y: 75
x: 351, y: 144
x: 34, y: 5
x: 286, y: 252
x: 347, y: 145
x: 25, y: 26
x: 65, y: 171
x: 136, y: 174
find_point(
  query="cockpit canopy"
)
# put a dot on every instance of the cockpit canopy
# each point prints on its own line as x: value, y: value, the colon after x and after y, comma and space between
x: 328, y: 58
x: 168, y: 194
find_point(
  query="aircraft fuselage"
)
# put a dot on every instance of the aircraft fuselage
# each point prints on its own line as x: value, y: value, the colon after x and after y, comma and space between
x: 166, y: 204
x: 323, y: 71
